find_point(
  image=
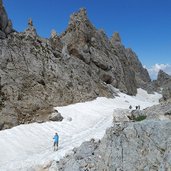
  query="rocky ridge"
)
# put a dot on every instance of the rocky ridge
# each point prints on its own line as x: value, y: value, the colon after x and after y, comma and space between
x: 78, y: 65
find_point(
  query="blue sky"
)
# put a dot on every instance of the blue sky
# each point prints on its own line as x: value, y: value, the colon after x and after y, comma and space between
x: 144, y: 25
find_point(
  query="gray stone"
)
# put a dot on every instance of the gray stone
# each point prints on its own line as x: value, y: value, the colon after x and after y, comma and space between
x: 9, y: 27
x: 2, y: 35
x: 120, y: 115
x: 56, y: 117
x: 137, y: 113
x: 159, y: 112
x: 164, y: 82
x: 3, y: 17
x: 163, y: 78
x: 131, y: 146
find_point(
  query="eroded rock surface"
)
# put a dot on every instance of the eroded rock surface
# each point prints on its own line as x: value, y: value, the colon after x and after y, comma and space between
x: 131, y: 146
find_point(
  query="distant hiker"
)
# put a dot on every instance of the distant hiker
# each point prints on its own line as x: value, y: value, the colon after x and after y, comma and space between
x: 130, y: 107
x: 56, y: 140
x: 137, y: 107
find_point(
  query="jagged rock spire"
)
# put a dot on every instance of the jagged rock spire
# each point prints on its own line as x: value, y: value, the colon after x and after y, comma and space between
x: 53, y: 34
x: 5, y: 23
x: 80, y: 20
x: 116, y: 39
x: 162, y: 77
x: 81, y: 15
x: 31, y: 31
x: 30, y: 22
x: 55, y: 41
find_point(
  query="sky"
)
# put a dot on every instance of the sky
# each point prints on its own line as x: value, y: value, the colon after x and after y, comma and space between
x: 28, y: 145
x: 144, y: 25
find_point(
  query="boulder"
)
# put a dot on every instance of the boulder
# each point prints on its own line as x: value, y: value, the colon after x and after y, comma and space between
x: 120, y: 115
x: 55, y: 117
x: 137, y: 113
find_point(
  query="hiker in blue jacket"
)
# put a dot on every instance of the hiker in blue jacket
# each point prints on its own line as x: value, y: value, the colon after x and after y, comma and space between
x: 56, y: 140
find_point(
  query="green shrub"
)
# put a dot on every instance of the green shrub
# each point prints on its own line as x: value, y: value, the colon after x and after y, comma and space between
x: 139, y: 118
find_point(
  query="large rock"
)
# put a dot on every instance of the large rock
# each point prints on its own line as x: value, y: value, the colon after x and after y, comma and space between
x: 163, y: 78
x: 163, y: 82
x: 55, y: 116
x: 120, y: 115
x: 158, y: 112
x: 132, y: 146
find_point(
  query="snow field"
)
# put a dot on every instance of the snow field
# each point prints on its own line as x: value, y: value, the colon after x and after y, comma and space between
x: 27, y: 146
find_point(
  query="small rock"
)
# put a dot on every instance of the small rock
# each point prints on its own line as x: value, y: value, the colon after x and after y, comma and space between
x: 69, y: 119
x: 56, y: 117
x: 1, y: 125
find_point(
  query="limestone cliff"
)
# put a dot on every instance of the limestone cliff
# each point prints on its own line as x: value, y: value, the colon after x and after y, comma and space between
x: 78, y: 65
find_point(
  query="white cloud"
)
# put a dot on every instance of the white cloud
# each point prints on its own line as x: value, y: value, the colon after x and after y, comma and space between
x: 153, y: 71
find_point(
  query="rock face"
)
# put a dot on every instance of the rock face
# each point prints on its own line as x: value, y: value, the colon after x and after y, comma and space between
x: 159, y: 112
x: 163, y: 78
x: 135, y: 74
x: 81, y: 64
x: 5, y: 23
x: 141, y: 74
x: 164, y: 81
x: 132, y: 146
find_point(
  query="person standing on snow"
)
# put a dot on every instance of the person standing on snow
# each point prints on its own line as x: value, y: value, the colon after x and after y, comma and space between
x: 56, y: 140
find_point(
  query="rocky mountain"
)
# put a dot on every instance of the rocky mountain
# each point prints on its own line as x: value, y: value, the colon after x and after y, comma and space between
x: 78, y: 65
